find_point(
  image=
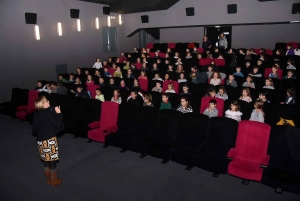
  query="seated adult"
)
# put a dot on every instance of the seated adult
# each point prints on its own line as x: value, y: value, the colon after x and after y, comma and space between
x: 81, y: 93
x: 59, y: 88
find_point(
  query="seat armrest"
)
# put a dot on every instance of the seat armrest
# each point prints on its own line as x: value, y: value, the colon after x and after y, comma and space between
x: 264, y: 161
x: 232, y: 153
x: 22, y: 108
x: 114, y: 129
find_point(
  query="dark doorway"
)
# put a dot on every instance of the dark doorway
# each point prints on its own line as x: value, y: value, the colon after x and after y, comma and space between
x: 213, y: 34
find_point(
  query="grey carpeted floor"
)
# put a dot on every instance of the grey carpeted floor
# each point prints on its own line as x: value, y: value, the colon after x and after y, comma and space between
x: 90, y: 172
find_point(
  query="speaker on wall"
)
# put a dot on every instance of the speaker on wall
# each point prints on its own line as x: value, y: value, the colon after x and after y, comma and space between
x: 106, y: 10
x: 190, y: 11
x: 296, y: 8
x: 74, y: 13
x: 232, y: 8
x: 145, y: 18
x: 30, y: 18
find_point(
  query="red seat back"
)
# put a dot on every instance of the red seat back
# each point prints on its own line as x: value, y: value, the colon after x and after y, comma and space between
x: 32, y: 96
x: 293, y: 44
x: 269, y: 70
x: 171, y: 45
x: 122, y: 59
x: 219, y: 62
x: 162, y: 54
x: 205, y: 103
x: 252, y: 140
x: 152, y: 54
x: 111, y: 71
x: 191, y: 45
x: 138, y: 65
x: 149, y: 45
x: 143, y: 84
x: 205, y: 61
x: 200, y: 50
x: 92, y: 90
x: 269, y: 52
x: 109, y: 115
x: 257, y: 51
x: 175, y: 83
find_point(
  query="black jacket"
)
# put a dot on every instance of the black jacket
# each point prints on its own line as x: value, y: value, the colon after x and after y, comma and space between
x: 47, y: 123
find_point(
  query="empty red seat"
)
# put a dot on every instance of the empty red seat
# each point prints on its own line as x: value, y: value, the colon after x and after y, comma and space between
x: 293, y: 44
x: 23, y: 110
x: 250, y: 152
x: 191, y: 45
x: 269, y: 52
x: 150, y: 45
x: 162, y: 54
x: 200, y: 50
x: 138, y: 65
x: 175, y: 83
x: 92, y: 90
x: 108, y: 122
x: 205, y: 61
x: 269, y: 70
x: 219, y: 62
x: 171, y: 45
x: 257, y: 51
x: 152, y: 54
x: 143, y: 84
x: 205, y: 103
x: 111, y: 71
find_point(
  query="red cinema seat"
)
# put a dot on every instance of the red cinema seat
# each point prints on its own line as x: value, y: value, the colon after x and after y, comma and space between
x: 23, y: 110
x: 111, y: 71
x: 219, y: 62
x: 205, y: 103
x: 171, y: 45
x: 108, y: 122
x: 293, y: 44
x: 269, y: 52
x: 250, y: 152
x: 191, y: 45
x: 138, y: 65
x: 257, y: 51
x: 92, y: 90
x: 122, y: 59
x: 200, y: 50
x: 222, y: 81
x: 143, y: 84
x: 162, y: 54
x: 175, y: 83
x: 152, y: 54
x: 150, y: 45
x: 205, y: 61
x: 269, y: 70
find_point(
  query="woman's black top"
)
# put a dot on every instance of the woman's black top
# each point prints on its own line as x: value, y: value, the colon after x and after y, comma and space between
x: 47, y: 123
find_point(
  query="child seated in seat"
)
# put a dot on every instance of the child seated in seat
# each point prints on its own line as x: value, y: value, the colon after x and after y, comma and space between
x: 133, y: 100
x: 143, y: 76
x: 155, y: 68
x: 111, y: 83
x: 215, y: 79
x: 170, y: 68
x: 290, y: 97
x: 246, y: 95
x: 258, y: 114
x: 101, y: 82
x: 39, y: 85
x: 170, y: 88
x: 291, y: 66
x: 249, y: 82
x: 222, y: 93
x: 157, y: 77
x: 106, y: 73
x: 263, y: 97
x: 194, y: 78
x: 89, y: 80
x: 274, y: 72
x: 61, y: 79
x: 231, y: 81
x: 81, y: 93
x: 165, y: 104
x: 116, y: 97
x: 99, y: 96
x: 234, y: 111
x: 238, y: 72
x: 185, y: 90
x: 269, y: 84
x: 211, y: 92
x: 148, y: 101
x: 181, y: 78
x: 211, y: 111
x: 123, y: 85
x: 255, y: 72
x: 157, y: 87
x: 136, y: 85
x: 184, y: 106
x: 290, y: 75
x: 118, y: 73
x: 127, y: 66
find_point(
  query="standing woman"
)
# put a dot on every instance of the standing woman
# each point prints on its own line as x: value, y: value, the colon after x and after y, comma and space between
x: 47, y: 122
x: 223, y: 44
x: 206, y: 43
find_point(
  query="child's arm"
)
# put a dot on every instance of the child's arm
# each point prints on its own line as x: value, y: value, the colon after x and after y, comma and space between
x: 102, y: 98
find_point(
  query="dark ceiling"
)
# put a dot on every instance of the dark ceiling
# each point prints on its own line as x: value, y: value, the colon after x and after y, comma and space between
x: 135, y: 6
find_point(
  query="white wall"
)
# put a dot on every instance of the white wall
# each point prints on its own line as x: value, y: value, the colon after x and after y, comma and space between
x: 24, y: 60
x: 214, y: 12
x: 191, y: 34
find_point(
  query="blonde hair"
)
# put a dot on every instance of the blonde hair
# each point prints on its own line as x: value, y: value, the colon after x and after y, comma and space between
x: 39, y: 102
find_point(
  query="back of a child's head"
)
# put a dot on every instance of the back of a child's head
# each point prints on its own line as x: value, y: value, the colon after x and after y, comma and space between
x: 259, y: 104
x: 291, y: 91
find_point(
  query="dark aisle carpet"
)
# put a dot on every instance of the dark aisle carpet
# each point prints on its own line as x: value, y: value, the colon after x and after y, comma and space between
x: 90, y: 172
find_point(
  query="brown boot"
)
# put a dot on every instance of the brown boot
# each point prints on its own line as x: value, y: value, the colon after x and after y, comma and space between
x: 54, y: 180
x: 47, y: 174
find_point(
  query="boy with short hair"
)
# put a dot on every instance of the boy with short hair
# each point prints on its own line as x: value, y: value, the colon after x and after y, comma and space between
x: 290, y: 97
x: 106, y: 73
x: 165, y: 104
x: 257, y: 114
x: 231, y: 81
x: 211, y: 111
x: 185, y: 90
x: 157, y: 87
x: 81, y: 93
x: 274, y: 74
x: 238, y: 72
x: 290, y: 66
